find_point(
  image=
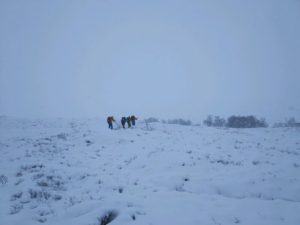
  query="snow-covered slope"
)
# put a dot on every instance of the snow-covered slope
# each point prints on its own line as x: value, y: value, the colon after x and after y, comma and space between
x: 77, y: 172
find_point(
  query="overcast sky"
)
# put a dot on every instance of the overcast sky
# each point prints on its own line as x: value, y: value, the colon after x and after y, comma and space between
x: 150, y: 58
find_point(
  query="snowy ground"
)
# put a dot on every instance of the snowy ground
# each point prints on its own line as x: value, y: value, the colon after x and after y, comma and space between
x: 77, y: 172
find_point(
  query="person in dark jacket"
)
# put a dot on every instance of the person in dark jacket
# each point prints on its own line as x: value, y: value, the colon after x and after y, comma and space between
x: 123, y: 121
x: 128, y: 121
x: 133, y: 119
x: 110, y: 121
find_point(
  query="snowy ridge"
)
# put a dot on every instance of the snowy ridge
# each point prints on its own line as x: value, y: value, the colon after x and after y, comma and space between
x: 63, y: 172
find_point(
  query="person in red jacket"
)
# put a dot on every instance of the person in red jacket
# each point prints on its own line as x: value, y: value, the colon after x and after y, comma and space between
x: 110, y: 121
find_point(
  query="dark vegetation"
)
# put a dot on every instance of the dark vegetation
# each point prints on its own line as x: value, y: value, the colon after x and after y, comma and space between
x: 108, y: 217
x: 245, y: 122
x: 179, y: 121
x: 290, y: 122
x: 235, y: 122
x: 151, y: 120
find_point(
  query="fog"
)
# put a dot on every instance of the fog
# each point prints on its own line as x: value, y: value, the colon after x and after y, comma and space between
x: 150, y: 58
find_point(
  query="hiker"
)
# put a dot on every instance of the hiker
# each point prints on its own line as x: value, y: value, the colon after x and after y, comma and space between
x: 128, y: 121
x: 123, y: 121
x: 110, y: 121
x: 133, y: 119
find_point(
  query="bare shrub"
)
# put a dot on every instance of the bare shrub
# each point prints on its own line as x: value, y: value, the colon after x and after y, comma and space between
x: 290, y: 122
x: 180, y: 122
x: 14, y: 209
x: 151, y: 120
x: 3, y: 179
x: 214, y: 121
x: 245, y: 122
x: 108, y: 217
x: 39, y: 195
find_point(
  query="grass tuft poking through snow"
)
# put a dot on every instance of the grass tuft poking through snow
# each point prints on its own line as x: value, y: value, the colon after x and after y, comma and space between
x: 108, y: 217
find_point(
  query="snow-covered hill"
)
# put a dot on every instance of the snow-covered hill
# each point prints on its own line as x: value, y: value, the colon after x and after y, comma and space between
x: 77, y: 172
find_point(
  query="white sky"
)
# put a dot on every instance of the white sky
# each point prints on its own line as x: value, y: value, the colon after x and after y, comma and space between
x: 150, y: 58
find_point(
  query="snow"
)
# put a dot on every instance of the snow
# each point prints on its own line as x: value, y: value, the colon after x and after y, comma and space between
x: 77, y: 171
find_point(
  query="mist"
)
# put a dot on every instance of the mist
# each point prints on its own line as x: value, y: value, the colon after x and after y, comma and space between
x: 150, y: 58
